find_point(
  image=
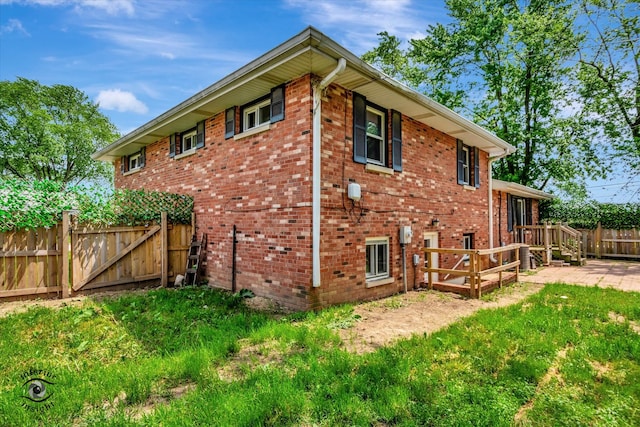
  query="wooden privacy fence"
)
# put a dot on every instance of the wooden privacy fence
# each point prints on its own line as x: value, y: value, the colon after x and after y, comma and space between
x: 603, y: 242
x: 65, y: 259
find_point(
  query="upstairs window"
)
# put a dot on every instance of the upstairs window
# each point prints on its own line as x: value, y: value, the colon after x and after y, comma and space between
x: 268, y: 109
x: 371, y: 136
x: 376, y: 141
x: 256, y: 115
x: 468, y: 165
x: 187, y: 142
x: 132, y: 162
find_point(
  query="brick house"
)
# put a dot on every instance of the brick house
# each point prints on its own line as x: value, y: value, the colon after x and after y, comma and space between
x: 316, y: 160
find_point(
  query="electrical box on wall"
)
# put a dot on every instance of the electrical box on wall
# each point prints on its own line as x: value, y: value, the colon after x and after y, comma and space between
x: 416, y: 259
x: 353, y: 191
x: 405, y: 235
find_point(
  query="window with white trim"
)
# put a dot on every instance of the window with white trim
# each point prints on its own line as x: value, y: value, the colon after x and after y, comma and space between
x: 376, y: 146
x: 465, y: 165
x: 468, y: 165
x: 377, y: 134
x: 467, y: 241
x: 189, y: 140
x: 256, y: 115
x: 267, y: 109
x: 377, y: 258
x: 134, y: 161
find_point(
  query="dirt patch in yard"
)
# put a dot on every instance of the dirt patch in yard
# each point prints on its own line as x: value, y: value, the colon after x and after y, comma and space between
x: 376, y: 323
x: 419, y: 312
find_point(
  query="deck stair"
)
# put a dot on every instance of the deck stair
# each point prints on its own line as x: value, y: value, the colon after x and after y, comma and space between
x: 194, y: 260
x: 553, y: 242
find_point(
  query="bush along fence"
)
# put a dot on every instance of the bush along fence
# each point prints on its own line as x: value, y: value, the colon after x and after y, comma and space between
x: 133, y: 237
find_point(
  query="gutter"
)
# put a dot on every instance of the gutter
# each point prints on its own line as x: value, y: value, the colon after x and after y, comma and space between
x: 317, y: 159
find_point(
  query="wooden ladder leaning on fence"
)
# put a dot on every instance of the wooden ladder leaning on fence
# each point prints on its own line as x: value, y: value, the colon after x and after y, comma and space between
x: 194, y: 259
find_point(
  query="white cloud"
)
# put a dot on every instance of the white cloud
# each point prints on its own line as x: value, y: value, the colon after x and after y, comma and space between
x: 361, y: 20
x: 13, y: 26
x: 115, y: 99
x: 112, y: 7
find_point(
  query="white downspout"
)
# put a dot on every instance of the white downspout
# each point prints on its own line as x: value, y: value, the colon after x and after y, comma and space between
x: 317, y: 159
x: 490, y: 163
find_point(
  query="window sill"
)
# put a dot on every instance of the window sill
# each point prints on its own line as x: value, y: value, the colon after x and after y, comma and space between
x: 255, y: 130
x: 370, y: 167
x: 469, y: 187
x: 379, y: 282
x: 132, y: 171
x: 185, y: 154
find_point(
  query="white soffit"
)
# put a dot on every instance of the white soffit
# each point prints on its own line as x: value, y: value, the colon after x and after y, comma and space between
x: 308, y: 52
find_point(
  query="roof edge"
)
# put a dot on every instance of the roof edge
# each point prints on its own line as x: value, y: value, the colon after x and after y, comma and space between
x: 520, y: 190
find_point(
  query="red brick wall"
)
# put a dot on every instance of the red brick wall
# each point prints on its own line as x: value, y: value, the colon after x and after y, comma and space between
x: 262, y: 184
x: 502, y: 235
x: 427, y: 188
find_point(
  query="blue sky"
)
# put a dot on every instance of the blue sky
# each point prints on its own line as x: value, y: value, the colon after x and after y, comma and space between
x: 138, y: 58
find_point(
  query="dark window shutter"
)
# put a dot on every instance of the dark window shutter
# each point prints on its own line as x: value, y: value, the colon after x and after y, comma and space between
x: 124, y: 163
x: 277, y: 104
x: 143, y: 156
x: 476, y: 167
x: 359, y: 128
x: 172, y: 145
x: 229, y: 122
x: 396, y: 138
x: 200, y: 134
x: 178, y: 143
x: 461, y: 162
x: 510, y: 212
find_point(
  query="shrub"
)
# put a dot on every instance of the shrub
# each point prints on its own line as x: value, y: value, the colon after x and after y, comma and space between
x: 32, y: 204
x: 617, y: 216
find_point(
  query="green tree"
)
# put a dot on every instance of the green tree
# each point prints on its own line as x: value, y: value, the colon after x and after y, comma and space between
x: 50, y: 132
x: 504, y: 64
x: 609, y: 69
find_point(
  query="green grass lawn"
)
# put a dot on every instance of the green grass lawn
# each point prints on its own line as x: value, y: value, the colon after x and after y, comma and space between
x: 566, y: 356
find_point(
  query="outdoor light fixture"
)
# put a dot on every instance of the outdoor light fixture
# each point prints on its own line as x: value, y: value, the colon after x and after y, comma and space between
x: 435, y: 222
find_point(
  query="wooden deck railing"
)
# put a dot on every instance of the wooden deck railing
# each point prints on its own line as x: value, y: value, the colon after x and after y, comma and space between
x: 549, y: 237
x: 507, y: 258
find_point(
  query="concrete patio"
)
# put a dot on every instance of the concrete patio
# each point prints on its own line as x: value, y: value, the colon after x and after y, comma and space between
x: 622, y: 275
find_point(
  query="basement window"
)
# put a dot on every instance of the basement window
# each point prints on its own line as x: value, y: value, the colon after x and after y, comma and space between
x: 377, y: 258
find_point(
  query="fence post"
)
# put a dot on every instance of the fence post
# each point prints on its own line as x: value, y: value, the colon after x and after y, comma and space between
x: 598, y: 241
x: 164, y: 250
x: 66, y: 265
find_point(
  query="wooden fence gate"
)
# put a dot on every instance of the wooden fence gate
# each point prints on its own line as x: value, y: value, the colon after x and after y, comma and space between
x: 66, y: 259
